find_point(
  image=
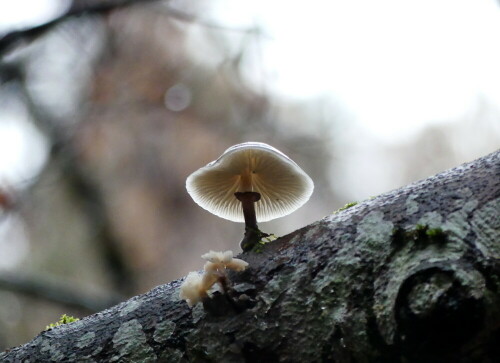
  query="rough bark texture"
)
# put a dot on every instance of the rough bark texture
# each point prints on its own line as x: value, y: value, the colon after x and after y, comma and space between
x: 412, y: 276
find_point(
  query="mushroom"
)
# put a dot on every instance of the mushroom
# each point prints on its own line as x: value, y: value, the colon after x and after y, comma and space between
x: 250, y: 182
x: 196, y: 286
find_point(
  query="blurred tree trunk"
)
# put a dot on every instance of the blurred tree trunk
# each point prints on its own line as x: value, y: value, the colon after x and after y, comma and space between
x: 412, y: 275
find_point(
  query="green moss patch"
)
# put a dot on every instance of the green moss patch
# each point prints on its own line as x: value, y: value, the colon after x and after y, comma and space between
x: 421, y: 235
x: 347, y: 206
x: 64, y: 319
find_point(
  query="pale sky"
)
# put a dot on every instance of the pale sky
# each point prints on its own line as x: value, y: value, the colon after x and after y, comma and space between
x: 396, y: 65
x: 25, y: 13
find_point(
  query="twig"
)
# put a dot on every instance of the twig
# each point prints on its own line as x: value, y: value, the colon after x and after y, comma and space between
x: 56, y: 291
x: 84, y: 189
x: 182, y: 16
x: 77, y: 8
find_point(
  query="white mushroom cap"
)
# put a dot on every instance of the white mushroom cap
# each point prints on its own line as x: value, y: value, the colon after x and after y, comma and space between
x: 250, y: 167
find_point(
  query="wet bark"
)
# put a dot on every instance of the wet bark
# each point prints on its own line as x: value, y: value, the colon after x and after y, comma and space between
x: 412, y: 275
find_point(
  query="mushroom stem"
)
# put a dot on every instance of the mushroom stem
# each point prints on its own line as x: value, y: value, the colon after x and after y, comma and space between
x: 252, y: 233
x: 247, y: 200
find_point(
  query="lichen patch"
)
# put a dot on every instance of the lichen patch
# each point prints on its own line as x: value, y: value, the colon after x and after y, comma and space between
x: 457, y: 222
x: 486, y: 225
x: 85, y: 340
x: 274, y: 288
x: 411, y: 205
x: 164, y: 330
x: 130, y: 306
x: 431, y: 219
x: 374, y: 231
x: 175, y: 294
x: 53, y: 350
x: 197, y: 313
x: 131, y: 345
x: 312, y: 231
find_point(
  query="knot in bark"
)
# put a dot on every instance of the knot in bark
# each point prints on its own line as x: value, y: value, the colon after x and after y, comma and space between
x: 439, y: 306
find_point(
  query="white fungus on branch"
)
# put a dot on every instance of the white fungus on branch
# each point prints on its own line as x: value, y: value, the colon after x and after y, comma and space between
x: 220, y: 261
x: 192, y: 288
x: 196, y: 285
x: 250, y: 182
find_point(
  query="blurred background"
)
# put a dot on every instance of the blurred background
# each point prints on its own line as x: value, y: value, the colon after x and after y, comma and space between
x: 106, y: 106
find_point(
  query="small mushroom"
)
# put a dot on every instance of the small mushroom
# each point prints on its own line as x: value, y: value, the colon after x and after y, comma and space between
x: 196, y: 286
x: 250, y: 182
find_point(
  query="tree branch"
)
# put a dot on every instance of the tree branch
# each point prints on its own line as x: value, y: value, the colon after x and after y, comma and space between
x: 85, y: 190
x: 77, y: 8
x: 91, y: 7
x: 412, y: 275
x: 56, y: 291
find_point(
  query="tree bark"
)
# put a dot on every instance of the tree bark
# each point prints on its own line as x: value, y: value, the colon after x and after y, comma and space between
x: 410, y: 276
